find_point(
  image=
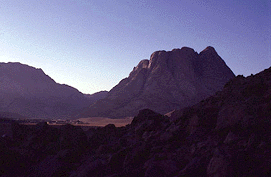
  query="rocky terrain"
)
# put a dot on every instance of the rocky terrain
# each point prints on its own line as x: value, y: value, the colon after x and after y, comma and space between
x: 169, y: 80
x: 28, y: 91
x: 227, y: 134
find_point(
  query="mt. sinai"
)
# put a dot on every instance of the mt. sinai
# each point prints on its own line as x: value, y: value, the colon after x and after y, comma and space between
x: 169, y: 80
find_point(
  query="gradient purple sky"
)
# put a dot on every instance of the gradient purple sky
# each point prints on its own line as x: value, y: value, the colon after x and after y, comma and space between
x: 93, y: 44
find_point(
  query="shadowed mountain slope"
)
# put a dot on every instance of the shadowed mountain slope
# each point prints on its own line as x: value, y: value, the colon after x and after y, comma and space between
x: 169, y: 80
x: 225, y: 135
x: 29, y: 92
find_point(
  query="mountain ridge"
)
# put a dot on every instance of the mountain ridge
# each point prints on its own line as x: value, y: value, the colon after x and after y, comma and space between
x: 28, y: 91
x: 226, y: 134
x: 169, y: 80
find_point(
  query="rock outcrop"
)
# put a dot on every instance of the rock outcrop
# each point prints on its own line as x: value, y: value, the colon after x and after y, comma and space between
x: 227, y: 134
x: 31, y: 93
x: 169, y: 80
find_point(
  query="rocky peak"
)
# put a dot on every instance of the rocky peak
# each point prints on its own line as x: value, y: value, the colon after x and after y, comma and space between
x: 169, y: 80
x: 210, y: 54
x: 213, y: 68
x: 209, y: 49
x: 143, y: 64
x: 185, y: 50
x: 158, y: 59
x: 181, y: 62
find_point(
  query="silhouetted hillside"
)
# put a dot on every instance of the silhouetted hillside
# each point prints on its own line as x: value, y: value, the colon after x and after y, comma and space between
x: 227, y: 134
x: 30, y: 92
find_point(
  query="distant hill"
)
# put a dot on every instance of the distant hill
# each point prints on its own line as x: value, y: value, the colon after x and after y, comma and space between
x: 169, y: 80
x: 28, y: 91
x: 97, y: 96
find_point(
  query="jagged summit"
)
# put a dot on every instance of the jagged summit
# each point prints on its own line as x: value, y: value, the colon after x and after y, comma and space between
x: 169, y: 80
x: 209, y: 48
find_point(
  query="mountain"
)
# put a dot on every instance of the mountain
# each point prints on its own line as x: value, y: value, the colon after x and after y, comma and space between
x: 28, y: 91
x: 227, y: 134
x: 169, y: 80
x: 97, y: 96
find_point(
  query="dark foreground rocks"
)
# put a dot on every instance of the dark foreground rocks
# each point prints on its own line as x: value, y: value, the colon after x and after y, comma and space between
x: 227, y: 134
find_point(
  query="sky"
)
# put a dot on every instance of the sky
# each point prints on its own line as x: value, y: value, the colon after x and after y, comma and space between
x: 93, y: 44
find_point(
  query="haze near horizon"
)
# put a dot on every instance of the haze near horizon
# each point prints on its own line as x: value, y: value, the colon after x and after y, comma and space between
x: 92, y: 45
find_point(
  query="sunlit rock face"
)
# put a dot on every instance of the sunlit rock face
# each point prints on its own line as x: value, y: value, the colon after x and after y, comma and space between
x: 169, y: 80
x: 28, y: 91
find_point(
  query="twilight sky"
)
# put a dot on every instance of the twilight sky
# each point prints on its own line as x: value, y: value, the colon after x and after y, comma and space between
x: 93, y: 44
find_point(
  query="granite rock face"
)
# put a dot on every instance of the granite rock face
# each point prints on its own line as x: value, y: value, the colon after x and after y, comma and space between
x: 28, y: 91
x: 169, y: 80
